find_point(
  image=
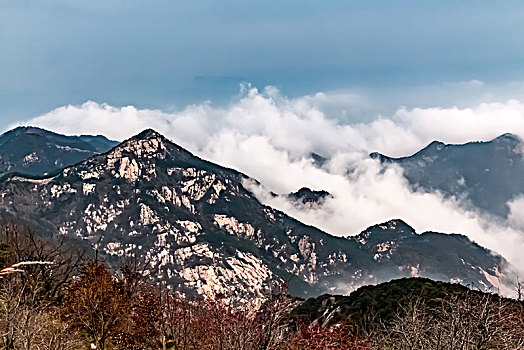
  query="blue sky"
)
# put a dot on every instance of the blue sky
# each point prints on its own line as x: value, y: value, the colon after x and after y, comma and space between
x: 167, y: 54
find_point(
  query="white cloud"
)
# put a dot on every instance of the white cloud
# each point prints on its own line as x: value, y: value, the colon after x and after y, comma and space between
x: 269, y: 137
x: 297, y: 125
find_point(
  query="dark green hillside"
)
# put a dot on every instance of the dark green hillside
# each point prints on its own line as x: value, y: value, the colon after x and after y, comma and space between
x: 382, y: 301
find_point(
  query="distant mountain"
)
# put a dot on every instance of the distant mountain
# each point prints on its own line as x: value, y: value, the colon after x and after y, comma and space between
x: 430, y: 254
x: 37, y: 152
x: 308, y: 197
x: 318, y: 160
x: 485, y: 175
x: 199, y: 229
x: 100, y: 143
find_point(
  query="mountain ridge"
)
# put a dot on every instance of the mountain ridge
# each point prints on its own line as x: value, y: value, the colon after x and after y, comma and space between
x: 439, y: 145
x: 482, y: 175
x: 200, y: 230
x: 38, y: 152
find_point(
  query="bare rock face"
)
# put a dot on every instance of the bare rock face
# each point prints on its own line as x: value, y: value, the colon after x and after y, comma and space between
x: 199, y: 230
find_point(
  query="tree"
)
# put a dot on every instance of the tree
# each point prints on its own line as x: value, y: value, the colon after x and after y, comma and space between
x: 469, y: 321
x: 33, y: 273
x: 97, y: 305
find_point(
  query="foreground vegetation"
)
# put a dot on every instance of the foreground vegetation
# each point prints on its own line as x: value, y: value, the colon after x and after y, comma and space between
x: 54, y: 297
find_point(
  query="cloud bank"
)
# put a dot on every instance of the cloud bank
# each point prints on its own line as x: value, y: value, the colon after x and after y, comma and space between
x: 270, y: 138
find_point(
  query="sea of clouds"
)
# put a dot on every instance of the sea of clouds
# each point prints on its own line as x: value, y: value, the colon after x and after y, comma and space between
x: 270, y: 137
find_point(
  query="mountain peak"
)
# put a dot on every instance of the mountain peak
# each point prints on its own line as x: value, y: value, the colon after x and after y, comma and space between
x: 309, y: 197
x: 306, y: 191
x: 508, y: 137
x: 376, y: 155
x: 436, y: 143
x: 398, y: 225
x: 149, y: 134
x: 392, y: 229
x: 28, y: 130
x: 434, y: 146
x: 145, y: 153
x: 148, y: 142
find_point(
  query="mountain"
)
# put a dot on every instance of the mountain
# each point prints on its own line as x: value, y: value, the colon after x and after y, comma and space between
x: 485, y: 175
x: 383, y: 301
x: 308, y: 197
x: 199, y: 229
x: 100, y: 143
x: 430, y: 254
x: 318, y: 160
x: 431, y: 314
x: 38, y: 152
